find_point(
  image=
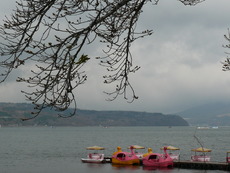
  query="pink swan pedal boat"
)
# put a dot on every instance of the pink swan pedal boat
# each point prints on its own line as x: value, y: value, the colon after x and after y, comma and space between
x: 94, y: 157
x: 135, y: 148
x: 158, y: 160
x: 228, y: 157
x: 125, y: 158
x: 174, y: 152
x: 203, y: 157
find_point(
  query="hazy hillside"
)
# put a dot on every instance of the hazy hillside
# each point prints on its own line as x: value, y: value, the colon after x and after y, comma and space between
x: 214, y: 114
x: 10, y: 114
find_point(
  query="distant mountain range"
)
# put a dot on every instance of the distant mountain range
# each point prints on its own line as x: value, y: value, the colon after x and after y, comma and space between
x: 213, y: 114
x: 11, y: 114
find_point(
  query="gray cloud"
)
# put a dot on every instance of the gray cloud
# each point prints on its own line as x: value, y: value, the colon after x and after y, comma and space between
x: 180, y: 62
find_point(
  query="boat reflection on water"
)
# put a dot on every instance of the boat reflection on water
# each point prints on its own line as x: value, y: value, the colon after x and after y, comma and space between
x: 93, y: 166
x: 126, y: 167
x: 153, y: 168
x: 138, y: 167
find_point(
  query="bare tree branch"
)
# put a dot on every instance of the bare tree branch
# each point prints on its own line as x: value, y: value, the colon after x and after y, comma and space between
x: 50, y: 36
x: 226, y: 63
x: 191, y: 2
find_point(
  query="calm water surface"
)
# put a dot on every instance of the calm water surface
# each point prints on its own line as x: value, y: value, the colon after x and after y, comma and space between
x: 59, y: 149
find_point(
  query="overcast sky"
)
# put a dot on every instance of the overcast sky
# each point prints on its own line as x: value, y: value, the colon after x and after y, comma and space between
x: 180, y: 63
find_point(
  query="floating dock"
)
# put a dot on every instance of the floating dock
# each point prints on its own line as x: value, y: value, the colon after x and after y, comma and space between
x: 195, y: 165
x: 202, y: 165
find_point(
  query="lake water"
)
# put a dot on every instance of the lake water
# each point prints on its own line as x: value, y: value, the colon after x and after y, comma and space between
x: 59, y: 149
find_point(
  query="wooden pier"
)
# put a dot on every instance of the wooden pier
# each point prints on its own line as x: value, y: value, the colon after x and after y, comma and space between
x: 202, y: 165
x: 195, y: 165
